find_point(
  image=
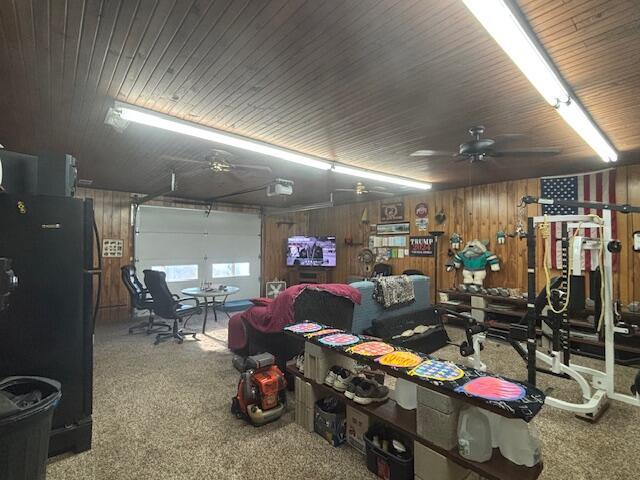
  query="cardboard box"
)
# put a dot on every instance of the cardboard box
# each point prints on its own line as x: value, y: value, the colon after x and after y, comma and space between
x: 357, y: 426
x: 330, y: 426
x: 430, y: 465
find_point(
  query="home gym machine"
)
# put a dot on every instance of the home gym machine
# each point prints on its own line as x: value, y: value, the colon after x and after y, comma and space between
x: 597, y: 386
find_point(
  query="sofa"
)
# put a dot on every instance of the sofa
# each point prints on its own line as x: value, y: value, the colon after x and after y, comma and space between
x: 323, y: 307
x: 369, y: 310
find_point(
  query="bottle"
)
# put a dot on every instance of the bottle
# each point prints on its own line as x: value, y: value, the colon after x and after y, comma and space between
x: 519, y: 442
x: 474, y: 435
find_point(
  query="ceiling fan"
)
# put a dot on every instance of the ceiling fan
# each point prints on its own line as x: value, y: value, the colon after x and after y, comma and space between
x: 218, y: 161
x: 478, y: 149
x: 360, y: 188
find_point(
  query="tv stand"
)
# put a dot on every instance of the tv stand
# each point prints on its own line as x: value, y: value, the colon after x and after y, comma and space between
x: 299, y: 275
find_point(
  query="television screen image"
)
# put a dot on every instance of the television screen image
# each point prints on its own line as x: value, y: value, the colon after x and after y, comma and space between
x: 311, y: 251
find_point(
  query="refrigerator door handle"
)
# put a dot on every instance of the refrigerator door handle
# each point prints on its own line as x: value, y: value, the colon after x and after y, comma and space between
x: 98, y: 272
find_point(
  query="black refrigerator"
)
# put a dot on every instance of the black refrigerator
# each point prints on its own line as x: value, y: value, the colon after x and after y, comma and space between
x: 47, y: 329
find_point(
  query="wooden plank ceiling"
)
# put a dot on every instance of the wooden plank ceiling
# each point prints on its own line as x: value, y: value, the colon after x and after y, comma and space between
x: 360, y: 81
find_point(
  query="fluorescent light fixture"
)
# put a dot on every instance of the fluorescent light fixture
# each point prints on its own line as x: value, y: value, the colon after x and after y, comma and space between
x: 157, y: 120
x: 381, y: 177
x: 499, y: 19
x: 123, y: 113
x: 504, y: 27
x: 575, y: 116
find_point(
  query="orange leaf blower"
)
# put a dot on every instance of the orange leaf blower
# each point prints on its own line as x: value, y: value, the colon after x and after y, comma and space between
x: 261, y: 396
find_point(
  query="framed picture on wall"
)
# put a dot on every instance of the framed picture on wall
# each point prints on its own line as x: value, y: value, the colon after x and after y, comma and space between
x: 391, y: 212
x: 393, y: 228
x: 421, y: 246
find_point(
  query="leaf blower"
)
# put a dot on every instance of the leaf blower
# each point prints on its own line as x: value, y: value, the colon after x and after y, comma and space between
x: 261, y: 396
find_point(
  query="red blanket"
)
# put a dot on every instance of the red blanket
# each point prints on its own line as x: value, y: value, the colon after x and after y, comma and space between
x: 279, y: 313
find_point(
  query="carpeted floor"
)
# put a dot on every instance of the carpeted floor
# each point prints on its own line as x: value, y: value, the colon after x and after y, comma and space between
x: 163, y: 413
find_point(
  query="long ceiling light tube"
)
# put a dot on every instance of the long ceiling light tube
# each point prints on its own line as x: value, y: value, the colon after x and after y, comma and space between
x: 130, y: 113
x: 509, y: 29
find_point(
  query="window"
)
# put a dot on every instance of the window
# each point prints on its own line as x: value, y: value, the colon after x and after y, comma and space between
x: 178, y: 273
x: 228, y: 270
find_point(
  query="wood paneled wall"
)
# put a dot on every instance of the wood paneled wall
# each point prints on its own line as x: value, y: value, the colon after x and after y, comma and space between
x: 112, y: 212
x: 473, y: 212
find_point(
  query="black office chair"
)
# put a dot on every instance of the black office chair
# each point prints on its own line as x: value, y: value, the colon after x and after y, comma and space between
x: 166, y: 305
x: 381, y: 270
x: 141, y: 300
x: 412, y: 272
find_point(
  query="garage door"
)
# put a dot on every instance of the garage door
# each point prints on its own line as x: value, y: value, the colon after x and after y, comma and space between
x: 192, y: 247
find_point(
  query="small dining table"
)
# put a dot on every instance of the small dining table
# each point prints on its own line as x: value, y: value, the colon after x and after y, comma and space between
x: 212, y: 293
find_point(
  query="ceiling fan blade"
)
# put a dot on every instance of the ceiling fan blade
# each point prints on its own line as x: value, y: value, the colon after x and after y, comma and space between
x: 385, y: 194
x: 183, y: 159
x: 507, y: 138
x: 432, y: 153
x: 344, y: 190
x: 263, y: 168
x: 204, y: 170
x: 521, y: 152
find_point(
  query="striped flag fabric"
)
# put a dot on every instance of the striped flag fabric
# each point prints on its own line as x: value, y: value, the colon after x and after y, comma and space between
x: 589, y: 187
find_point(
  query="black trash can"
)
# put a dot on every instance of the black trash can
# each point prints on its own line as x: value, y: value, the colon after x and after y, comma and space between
x: 26, y: 410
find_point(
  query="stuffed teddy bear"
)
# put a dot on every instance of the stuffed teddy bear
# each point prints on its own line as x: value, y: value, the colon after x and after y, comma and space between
x: 474, y: 259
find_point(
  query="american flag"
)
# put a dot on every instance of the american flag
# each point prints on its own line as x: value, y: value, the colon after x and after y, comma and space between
x: 591, y: 187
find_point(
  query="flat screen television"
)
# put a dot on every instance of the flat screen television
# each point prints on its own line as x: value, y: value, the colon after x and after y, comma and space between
x: 311, y: 251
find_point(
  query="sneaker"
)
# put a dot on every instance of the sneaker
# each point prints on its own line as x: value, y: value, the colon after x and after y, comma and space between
x: 369, y: 391
x: 350, y: 392
x: 343, y: 379
x: 332, y: 374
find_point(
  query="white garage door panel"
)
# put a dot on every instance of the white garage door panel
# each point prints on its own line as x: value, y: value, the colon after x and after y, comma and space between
x: 172, y: 236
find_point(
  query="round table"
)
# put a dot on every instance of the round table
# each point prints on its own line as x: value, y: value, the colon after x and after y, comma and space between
x: 212, y: 293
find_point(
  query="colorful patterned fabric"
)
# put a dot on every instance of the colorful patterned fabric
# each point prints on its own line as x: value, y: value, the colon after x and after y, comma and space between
x: 492, y: 388
x: 437, y: 370
x: 400, y: 359
x: 339, y: 339
x: 304, y: 327
x: 502, y: 395
x: 324, y: 331
x: 372, y: 349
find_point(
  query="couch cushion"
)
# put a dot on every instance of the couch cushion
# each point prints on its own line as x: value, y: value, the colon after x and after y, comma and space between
x: 370, y: 310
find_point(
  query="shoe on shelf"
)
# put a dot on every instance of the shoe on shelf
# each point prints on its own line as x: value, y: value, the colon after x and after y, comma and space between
x: 343, y: 379
x: 350, y: 392
x: 332, y: 374
x: 368, y: 392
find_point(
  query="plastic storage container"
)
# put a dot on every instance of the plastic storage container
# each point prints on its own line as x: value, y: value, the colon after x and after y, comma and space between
x: 406, y: 394
x: 26, y: 410
x: 474, y: 435
x: 388, y: 464
x: 519, y: 442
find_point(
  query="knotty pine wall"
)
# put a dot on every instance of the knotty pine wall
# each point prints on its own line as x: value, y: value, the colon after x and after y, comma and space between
x: 473, y: 212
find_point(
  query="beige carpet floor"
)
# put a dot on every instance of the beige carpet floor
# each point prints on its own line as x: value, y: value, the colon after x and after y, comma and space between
x: 162, y: 412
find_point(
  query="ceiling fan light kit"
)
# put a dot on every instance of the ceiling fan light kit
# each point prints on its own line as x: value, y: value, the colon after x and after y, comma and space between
x: 506, y: 25
x: 122, y: 113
